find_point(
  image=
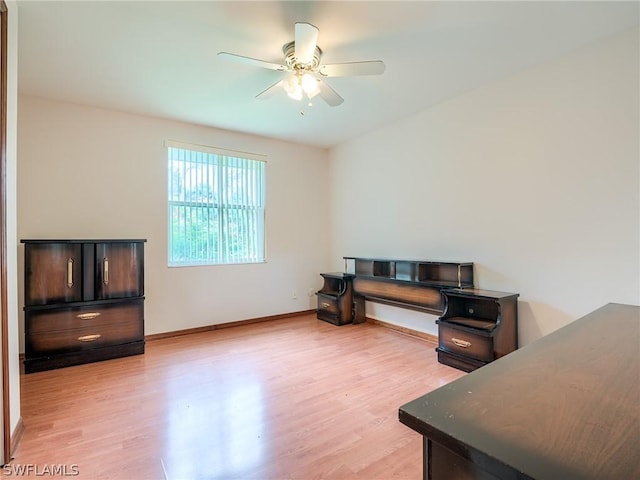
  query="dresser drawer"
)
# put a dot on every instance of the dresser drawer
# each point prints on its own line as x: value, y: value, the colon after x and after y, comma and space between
x: 462, y: 342
x: 63, y: 330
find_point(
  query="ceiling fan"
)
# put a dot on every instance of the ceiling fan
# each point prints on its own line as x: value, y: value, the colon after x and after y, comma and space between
x: 302, y: 61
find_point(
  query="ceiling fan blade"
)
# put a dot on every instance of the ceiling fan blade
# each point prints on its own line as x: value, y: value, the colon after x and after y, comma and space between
x: 328, y: 94
x: 252, y: 61
x: 306, y: 39
x: 269, y: 92
x: 374, y: 67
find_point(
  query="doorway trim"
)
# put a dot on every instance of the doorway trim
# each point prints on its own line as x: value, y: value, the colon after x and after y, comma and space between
x: 4, y: 325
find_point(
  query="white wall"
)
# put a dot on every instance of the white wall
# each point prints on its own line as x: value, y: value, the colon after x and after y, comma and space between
x: 94, y: 173
x: 533, y: 178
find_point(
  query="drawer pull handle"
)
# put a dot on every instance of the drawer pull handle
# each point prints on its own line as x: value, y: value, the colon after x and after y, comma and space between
x: 461, y: 343
x: 70, y: 273
x: 89, y: 338
x: 105, y: 271
x: 88, y: 316
x: 325, y: 305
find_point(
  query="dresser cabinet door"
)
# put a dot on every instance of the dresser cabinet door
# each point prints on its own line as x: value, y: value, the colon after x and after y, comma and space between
x: 53, y: 273
x: 118, y: 269
x: 64, y: 330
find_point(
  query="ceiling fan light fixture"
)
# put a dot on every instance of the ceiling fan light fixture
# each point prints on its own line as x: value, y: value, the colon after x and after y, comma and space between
x: 296, y: 94
x: 310, y: 85
x: 291, y: 85
x: 298, y: 85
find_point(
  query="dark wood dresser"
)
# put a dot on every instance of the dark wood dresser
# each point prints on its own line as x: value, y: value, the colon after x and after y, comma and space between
x: 84, y: 301
x: 564, y: 407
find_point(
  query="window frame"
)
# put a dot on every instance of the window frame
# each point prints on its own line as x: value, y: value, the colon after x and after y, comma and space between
x: 235, y: 189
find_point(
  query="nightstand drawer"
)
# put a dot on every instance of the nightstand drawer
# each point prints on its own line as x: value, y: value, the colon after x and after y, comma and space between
x: 327, y: 304
x: 465, y: 343
x: 464, y: 363
x: 63, y: 330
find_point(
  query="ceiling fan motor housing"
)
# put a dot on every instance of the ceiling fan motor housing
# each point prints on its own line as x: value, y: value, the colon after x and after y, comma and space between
x: 289, y: 50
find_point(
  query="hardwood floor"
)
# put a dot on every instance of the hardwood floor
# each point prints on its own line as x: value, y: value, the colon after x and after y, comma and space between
x: 290, y: 399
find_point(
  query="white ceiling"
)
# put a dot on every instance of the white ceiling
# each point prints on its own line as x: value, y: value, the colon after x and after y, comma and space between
x: 159, y: 57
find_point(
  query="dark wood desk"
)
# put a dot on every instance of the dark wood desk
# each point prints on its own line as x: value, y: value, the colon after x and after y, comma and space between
x: 564, y: 407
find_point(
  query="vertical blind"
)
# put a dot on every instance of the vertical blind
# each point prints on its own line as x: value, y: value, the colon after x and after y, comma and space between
x: 216, y: 206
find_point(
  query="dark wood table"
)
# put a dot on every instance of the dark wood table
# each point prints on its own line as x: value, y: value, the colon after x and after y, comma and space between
x: 564, y: 407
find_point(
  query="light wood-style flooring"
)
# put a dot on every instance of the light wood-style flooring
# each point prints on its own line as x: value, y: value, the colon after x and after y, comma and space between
x: 296, y: 398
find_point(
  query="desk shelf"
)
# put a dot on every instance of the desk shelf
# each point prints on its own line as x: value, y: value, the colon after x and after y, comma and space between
x: 450, y: 274
x: 413, y: 284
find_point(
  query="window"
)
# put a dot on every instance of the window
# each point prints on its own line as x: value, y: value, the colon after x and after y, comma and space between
x: 216, y: 206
